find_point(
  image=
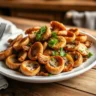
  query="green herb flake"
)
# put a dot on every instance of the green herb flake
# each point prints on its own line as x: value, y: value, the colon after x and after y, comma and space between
x: 52, y: 42
x: 49, y: 74
x: 54, y: 53
x: 38, y: 36
x: 90, y: 54
x: 41, y: 32
x: 62, y: 53
x: 54, y: 34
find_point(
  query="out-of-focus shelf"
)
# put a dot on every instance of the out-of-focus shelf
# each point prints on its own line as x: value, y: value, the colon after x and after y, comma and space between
x: 56, y: 5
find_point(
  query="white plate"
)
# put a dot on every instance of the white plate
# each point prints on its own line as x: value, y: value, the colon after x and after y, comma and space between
x: 91, y: 62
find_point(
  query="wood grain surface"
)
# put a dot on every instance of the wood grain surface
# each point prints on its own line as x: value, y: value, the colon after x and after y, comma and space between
x: 55, y: 5
x: 82, y: 85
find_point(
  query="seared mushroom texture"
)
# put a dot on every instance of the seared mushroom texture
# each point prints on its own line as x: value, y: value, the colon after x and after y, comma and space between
x: 82, y: 38
x: 18, y: 45
x: 77, y: 57
x: 19, y: 37
x: 70, y: 37
x: 55, y: 65
x: 30, y: 68
x: 34, y: 50
x: 69, y: 62
x: 43, y: 59
x: 74, y: 30
x: 57, y: 43
x: 4, y: 54
x: 12, y: 62
x: 82, y: 49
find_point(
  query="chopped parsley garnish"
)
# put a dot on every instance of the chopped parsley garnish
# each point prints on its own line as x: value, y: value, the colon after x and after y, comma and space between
x: 90, y: 54
x: 62, y: 53
x: 41, y: 32
x: 54, y: 53
x: 52, y: 42
x: 54, y: 34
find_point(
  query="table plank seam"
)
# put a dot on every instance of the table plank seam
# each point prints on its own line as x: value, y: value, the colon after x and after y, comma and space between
x: 76, y: 89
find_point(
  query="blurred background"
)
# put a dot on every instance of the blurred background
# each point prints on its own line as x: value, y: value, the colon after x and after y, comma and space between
x: 80, y: 13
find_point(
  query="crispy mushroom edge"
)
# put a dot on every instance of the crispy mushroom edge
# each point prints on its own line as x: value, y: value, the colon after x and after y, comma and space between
x: 59, y: 68
x: 29, y: 72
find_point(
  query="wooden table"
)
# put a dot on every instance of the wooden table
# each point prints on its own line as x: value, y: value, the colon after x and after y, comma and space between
x: 82, y: 85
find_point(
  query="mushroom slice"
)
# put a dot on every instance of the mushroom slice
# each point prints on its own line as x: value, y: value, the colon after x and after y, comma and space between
x: 74, y: 30
x: 12, y: 62
x: 25, y: 48
x: 81, y: 37
x: 71, y: 46
x: 30, y: 68
x: 70, y: 37
x: 88, y: 44
x: 58, y: 27
x: 48, y: 52
x: 18, y: 45
x: 34, y: 50
x: 19, y: 37
x: 43, y: 59
x: 62, y: 33
x: 82, y: 49
x: 47, y: 34
x: 4, y: 54
x: 77, y: 57
x: 32, y: 30
x: 69, y: 62
x: 56, y: 65
x: 45, y: 45
x: 57, y: 43
x: 10, y: 41
x: 22, y: 56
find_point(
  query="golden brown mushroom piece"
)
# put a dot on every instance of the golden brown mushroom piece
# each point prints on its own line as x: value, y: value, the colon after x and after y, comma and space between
x: 19, y: 37
x: 4, y: 54
x: 18, y: 45
x: 45, y: 45
x: 12, y: 62
x: 58, y: 27
x: 81, y: 37
x: 70, y: 37
x: 69, y: 62
x: 30, y: 68
x: 56, y: 65
x: 88, y: 44
x: 48, y: 52
x: 43, y: 59
x: 74, y: 30
x: 60, y: 42
x: 32, y: 32
x: 47, y: 34
x: 22, y: 56
x: 77, y: 57
x: 82, y: 49
x: 71, y: 46
x: 34, y: 50
x: 25, y: 48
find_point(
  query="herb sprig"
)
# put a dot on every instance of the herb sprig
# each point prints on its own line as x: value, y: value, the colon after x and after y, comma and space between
x: 41, y: 32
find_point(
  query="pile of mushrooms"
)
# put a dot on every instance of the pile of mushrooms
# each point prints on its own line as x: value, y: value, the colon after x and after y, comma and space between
x: 47, y: 50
